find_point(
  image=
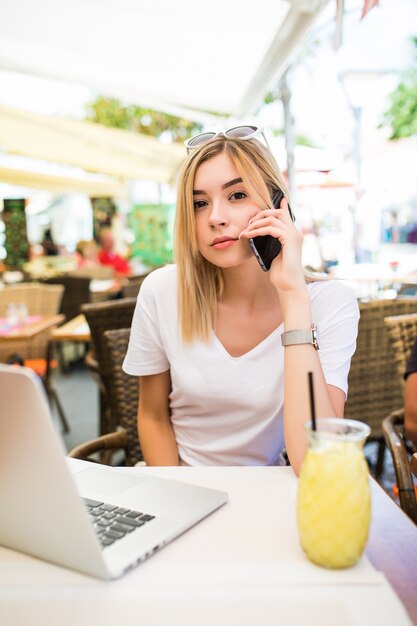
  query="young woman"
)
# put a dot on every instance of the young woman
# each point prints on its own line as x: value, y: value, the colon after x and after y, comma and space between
x: 217, y: 385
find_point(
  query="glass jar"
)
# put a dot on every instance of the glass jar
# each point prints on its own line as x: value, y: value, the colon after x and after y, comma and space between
x: 333, y: 502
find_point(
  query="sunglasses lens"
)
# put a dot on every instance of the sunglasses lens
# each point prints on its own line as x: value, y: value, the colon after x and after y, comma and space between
x: 241, y: 131
x: 200, y: 139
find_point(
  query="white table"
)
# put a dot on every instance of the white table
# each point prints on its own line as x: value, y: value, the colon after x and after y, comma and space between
x: 242, y: 565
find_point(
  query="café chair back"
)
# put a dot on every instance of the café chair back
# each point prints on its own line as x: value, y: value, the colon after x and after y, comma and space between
x: 76, y: 293
x: 413, y: 464
x: 134, y: 283
x: 402, y: 332
x: 40, y: 299
x: 374, y: 388
x: 393, y: 428
x: 124, y: 398
x: 102, y: 316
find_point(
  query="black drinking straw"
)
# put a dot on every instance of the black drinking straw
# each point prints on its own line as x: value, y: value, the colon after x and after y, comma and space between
x: 312, y: 404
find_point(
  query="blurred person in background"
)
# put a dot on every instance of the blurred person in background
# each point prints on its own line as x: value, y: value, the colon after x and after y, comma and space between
x: 87, y: 254
x: 108, y: 256
x: 48, y: 244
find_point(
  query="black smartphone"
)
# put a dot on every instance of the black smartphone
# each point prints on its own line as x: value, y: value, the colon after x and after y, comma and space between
x: 266, y: 248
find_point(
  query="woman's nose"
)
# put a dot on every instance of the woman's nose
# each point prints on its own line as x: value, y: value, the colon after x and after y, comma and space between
x: 218, y: 214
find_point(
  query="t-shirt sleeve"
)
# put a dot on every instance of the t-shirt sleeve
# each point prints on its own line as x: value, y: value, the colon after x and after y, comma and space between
x: 412, y: 361
x: 336, y: 312
x: 145, y: 354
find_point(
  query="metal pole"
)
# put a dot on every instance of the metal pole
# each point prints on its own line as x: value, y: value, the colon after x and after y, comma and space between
x: 285, y: 96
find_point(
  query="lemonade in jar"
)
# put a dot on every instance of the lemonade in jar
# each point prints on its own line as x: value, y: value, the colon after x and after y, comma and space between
x: 333, y: 501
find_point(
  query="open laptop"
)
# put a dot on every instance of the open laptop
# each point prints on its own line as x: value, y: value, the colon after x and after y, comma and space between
x: 99, y: 520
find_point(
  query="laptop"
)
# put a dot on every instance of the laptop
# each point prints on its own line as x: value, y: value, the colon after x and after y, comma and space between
x: 98, y: 520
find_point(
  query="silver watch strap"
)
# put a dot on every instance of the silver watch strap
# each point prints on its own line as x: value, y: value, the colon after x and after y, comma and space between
x: 297, y: 337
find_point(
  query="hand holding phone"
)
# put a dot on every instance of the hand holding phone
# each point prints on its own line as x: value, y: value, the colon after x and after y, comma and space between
x: 266, y: 248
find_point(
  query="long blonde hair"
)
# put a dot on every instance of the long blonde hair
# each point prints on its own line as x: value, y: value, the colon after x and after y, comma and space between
x: 200, y: 283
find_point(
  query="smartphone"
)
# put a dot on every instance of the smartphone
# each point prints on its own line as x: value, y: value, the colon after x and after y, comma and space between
x: 266, y: 248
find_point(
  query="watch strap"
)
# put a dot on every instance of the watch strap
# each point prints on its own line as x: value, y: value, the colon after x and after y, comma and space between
x: 298, y: 337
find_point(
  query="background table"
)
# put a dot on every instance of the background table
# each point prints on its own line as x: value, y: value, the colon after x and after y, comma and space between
x: 76, y: 330
x: 29, y: 329
x: 241, y: 565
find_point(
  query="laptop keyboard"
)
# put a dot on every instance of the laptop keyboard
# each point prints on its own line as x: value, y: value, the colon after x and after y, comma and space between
x: 112, y: 522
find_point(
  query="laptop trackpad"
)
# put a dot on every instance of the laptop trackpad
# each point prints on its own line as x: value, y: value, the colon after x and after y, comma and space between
x: 104, y: 482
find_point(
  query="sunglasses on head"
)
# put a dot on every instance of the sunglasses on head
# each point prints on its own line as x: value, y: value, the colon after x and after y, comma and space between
x: 239, y: 132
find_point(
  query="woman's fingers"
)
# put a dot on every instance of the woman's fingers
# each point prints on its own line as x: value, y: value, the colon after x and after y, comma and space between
x: 269, y: 221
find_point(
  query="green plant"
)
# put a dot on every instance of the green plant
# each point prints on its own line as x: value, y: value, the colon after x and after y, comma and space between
x: 113, y: 113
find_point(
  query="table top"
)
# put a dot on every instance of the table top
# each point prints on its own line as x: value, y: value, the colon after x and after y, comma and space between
x: 241, y: 565
x: 35, y: 325
x: 392, y: 547
x: 76, y: 329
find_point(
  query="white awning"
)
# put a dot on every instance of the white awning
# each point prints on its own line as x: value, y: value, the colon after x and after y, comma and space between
x: 183, y: 57
x: 89, y: 146
x: 62, y: 184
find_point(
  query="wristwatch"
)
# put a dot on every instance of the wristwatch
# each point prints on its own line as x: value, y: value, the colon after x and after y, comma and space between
x: 296, y: 337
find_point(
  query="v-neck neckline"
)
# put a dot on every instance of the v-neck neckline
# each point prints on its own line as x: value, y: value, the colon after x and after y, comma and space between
x: 252, y: 350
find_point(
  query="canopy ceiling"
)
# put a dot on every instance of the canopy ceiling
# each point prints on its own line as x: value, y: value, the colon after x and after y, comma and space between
x: 182, y: 57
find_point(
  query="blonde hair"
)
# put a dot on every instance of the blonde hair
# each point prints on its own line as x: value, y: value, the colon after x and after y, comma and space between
x: 200, y: 283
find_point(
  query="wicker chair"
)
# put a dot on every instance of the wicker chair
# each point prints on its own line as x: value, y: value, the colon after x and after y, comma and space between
x: 393, y: 427
x: 40, y: 300
x: 402, y: 331
x: 124, y: 398
x: 131, y: 289
x: 102, y: 316
x: 413, y: 464
x: 76, y: 293
x: 374, y: 389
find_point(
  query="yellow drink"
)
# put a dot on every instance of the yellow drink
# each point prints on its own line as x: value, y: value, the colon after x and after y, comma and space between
x: 333, y: 505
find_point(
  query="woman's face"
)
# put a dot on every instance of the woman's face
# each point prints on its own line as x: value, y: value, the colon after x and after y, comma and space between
x: 222, y: 209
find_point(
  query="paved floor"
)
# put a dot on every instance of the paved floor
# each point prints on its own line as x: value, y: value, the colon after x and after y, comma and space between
x: 79, y: 397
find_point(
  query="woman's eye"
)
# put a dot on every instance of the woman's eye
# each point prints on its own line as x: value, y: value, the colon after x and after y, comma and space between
x: 199, y: 204
x: 238, y: 195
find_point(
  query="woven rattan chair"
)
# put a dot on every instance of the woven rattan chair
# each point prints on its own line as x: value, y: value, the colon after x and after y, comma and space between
x: 134, y: 283
x: 76, y: 293
x: 374, y: 388
x: 40, y: 300
x: 402, y: 331
x: 102, y: 316
x: 413, y: 464
x: 393, y: 428
x: 124, y: 397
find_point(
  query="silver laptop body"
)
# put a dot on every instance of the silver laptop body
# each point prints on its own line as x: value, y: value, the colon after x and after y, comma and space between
x: 42, y: 513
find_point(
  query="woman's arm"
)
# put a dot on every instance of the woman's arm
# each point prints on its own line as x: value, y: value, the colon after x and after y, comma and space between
x: 410, y: 405
x: 287, y: 276
x: 298, y: 361
x: 156, y: 435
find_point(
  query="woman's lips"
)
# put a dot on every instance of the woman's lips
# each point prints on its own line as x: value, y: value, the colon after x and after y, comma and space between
x: 220, y: 245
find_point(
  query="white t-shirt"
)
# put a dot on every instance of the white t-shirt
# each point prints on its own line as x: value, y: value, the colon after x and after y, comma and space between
x: 228, y: 410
